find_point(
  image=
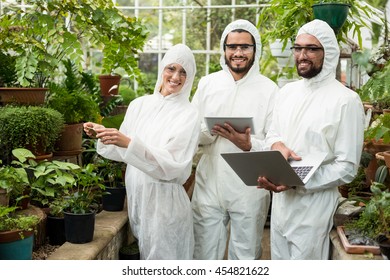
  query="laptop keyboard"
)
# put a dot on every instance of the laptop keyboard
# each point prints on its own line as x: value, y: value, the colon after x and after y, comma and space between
x: 302, y: 170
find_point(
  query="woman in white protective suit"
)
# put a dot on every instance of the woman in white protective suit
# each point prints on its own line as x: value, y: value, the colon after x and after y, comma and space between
x: 316, y: 114
x: 157, y: 140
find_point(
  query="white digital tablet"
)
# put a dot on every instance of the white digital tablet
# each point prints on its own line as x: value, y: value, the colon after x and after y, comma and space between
x: 240, y: 124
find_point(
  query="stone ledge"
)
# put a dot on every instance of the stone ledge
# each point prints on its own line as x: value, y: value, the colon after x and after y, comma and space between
x: 111, y: 232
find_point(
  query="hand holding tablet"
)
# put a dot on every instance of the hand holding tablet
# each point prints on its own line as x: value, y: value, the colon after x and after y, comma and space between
x: 239, y: 124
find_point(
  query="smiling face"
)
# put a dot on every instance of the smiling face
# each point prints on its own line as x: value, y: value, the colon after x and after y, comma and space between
x: 308, y: 55
x: 173, y: 79
x: 239, y: 59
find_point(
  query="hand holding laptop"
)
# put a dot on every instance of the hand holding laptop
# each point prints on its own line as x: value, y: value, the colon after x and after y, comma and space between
x: 273, y: 167
x: 263, y: 183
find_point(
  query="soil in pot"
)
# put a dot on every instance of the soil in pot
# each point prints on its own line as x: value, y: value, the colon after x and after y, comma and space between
x: 129, y: 252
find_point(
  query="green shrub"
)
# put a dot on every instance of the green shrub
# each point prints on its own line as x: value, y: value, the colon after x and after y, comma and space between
x: 31, y: 127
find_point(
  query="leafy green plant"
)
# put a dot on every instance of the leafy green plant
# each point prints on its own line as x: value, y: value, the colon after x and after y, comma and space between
x: 10, y: 221
x: 111, y: 171
x: 75, y: 96
x: 127, y: 93
x: 358, y: 186
x: 47, y: 32
x: 14, y: 180
x: 379, y: 129
x: 47, y: 180
x: 87, y: 191
x: 375, y: 218
x: 7, y: 70
x: 35, y: 128
x: 283, y: 18
x: 377, y: 87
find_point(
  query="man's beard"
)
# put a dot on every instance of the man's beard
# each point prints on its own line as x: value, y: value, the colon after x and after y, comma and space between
x: 311, y: 73
x: 240, y: 70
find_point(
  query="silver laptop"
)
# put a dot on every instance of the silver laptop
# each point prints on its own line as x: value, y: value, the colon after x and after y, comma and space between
x: 271, y: 164
x: 240, y: 124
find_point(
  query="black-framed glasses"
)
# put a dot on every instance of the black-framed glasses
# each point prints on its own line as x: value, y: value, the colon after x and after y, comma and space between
x: 244, y: 48
x: 309, y: 50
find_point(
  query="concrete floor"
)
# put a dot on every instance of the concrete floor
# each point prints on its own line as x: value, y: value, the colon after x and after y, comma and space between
x: 265, y: 243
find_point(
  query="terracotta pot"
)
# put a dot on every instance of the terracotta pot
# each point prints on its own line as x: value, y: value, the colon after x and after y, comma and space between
x: 370, y: 171
x: 26, y: 96
x: 70, y: 141
x: 109, y: 84
x: 386, y: 156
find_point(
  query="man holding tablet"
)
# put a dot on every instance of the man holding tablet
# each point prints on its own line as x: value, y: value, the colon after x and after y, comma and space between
x: 221, y: 199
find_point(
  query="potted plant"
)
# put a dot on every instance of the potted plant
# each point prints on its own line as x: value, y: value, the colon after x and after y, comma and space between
x: 10, y: 90
x: 112, y: 173
x: 130, y: 251
x: 335, y: 13
x: 13, y: 182
x: 47, y: 180
x: 82, y: 204
x: 377, y: 88
x: 35, y: 128
x: 282, y: 19
x: 16, y: 234
x: 40, y: 37
x: 374, y: 221
x: 55, y: 224
x: 75, y: 98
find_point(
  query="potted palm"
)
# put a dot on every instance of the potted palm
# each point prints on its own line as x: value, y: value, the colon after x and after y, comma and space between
x: 16, y: 234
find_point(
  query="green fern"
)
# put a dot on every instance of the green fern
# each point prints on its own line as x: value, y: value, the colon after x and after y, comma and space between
x: 378, y: 86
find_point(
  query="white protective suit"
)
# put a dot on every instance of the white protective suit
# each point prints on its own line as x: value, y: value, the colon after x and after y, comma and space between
x: 315, y: 115
x: 164, y: 137
x: 219, y: 194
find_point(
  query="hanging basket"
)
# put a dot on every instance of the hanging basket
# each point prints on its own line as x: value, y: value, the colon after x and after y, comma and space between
x: 335, y: 14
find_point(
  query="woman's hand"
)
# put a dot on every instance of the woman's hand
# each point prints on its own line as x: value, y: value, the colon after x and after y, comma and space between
x: 112, y: 136
x: 91, y: 129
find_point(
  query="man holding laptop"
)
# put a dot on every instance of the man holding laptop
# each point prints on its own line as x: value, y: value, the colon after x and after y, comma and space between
x: 220, y: 196
x: 314, y: 115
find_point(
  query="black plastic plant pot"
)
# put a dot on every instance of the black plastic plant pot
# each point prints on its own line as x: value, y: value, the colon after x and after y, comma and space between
x: 55, y: 227
x: 79, y: 228
x: 335, y: 14
x: 114, y: 201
